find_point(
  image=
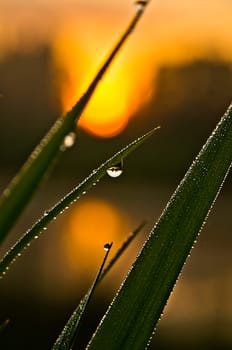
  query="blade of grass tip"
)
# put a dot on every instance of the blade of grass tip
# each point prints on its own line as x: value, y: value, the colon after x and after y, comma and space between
x: 122, y: 249
x: 65, y: 334
x: 22, y: 187
x: 69, y: 335
x: 71, y: 197
x: 130, y: 321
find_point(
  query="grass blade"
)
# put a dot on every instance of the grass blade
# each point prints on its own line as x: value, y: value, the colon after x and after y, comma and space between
x: 131, y: 319
x: 22, y: 187
x: 63, y: 340
x: 71, y: 197
x: 122, y: 249
x: 70, y: 331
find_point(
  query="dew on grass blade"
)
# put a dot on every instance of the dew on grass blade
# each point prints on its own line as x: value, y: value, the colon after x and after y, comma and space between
x: 69, y: 141
x: 115, y: 170
x: 140, y: 5
x: 107, y: 246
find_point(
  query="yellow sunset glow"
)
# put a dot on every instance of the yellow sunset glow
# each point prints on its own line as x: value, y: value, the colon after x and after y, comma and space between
x: 80, y: 37
x: 78, y: 58
x: 92, y: 224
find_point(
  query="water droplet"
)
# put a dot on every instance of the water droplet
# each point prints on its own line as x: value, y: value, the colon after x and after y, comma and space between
x: 44, y: 228
x: 116, y: 170
x: 107, y: 246
x: 69, y: 141
x: 45, y: 213
x: 36, y: 237
x: 140, y: 5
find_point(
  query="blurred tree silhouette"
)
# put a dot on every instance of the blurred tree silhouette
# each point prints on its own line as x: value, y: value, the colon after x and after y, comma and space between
x: 187, y: 103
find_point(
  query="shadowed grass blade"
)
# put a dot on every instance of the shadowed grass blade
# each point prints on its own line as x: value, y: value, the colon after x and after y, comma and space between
x: 71, y: 197
x: 131, y: 319
x: 70, y: 332
x: 122, y: 249
x: 22, y: 187
x: 66, y: 335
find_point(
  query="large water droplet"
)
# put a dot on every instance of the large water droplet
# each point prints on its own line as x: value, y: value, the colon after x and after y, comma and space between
x: 115, y: 170
x: 69, y: 141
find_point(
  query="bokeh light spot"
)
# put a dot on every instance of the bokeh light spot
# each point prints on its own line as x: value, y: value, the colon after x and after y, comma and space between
x: 93, y: 223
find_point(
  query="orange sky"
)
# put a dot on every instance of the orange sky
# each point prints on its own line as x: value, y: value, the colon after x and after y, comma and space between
x: 81, y: 33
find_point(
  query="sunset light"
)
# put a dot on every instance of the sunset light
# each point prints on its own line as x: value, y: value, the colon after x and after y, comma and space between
x: 77, y: 58
x: 80, y: 37
x: 81, y: 82
x: 92, y: 224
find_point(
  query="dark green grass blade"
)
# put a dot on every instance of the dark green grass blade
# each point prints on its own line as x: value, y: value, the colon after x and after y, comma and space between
x: 71, y: 197
x: 122, y: 249
x: 70, y: 332
x: 131, y: 319
x: 19, y: 192
x: 64, y: 339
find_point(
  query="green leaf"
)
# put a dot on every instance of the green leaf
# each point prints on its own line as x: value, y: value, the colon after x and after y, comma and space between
x: 132, y: 317
x: 65, y: 202
x: 65, y: 338
x: 121, y: 250
x: 22, y: 187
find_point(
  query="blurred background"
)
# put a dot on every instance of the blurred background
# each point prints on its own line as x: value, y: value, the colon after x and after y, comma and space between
x: 175, y: 71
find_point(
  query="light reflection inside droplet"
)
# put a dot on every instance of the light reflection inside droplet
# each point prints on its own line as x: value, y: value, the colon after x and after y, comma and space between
x: 69, y: 141
x: 140, y: 5
x: 116, y: 170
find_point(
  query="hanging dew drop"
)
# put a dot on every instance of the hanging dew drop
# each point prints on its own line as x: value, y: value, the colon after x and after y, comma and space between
x: 107, y: 246
x: 116, y: 170
x: 69, y: 141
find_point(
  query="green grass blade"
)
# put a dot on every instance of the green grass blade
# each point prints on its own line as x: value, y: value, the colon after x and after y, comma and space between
x: 131, y: 319
x: 22, y: 187
x: 71, y: 197
x: 70, y: 331
x: 122, y: 249
x: 64, y: 339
